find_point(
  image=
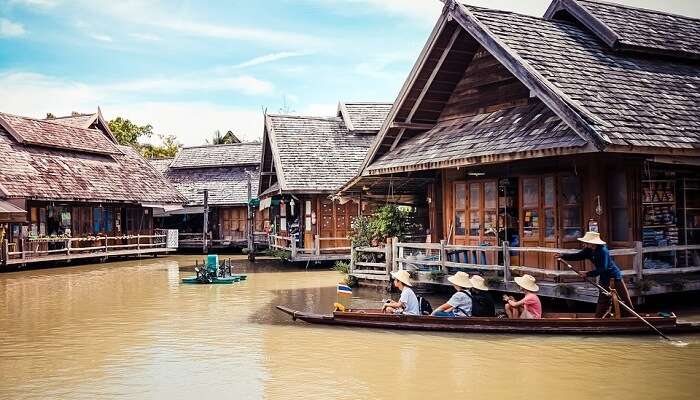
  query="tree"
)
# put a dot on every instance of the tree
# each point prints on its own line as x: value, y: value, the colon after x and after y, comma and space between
x: 168, y: 149
x: 227, y: 138
x: 128, y: 133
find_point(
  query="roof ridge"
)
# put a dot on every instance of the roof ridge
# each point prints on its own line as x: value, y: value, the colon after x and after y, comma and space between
x: 329, y: 118
x: 222, y: 144
x: 368, y: 102
x: 47, y: 121
x: 71, y: 116
x: 650, y: 10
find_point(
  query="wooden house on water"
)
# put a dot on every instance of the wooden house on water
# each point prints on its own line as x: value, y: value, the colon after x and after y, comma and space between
x: 305, y: 160
x: 69, y: 191
x: 536, y: 130
x: 224, y: 171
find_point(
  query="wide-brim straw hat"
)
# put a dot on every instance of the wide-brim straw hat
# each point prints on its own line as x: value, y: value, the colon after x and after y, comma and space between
x: 591, y: 238
x: 478, y: 282
x: 403, y: 276
x: 527, y: 282
x: 460, y: 279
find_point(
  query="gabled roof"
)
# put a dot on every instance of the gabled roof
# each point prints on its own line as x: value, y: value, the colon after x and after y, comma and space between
x: 220, y: 155
x: 363, y: 117
x: 227, y: 186
x: 47, y: 133
x: 613, y: 100
x: 313, y: 154
x: 633, y: 29
x: 86, y: 121
x: 54, y: 173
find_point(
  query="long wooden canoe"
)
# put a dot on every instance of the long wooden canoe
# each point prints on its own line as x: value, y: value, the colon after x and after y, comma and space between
x: 549, y: 324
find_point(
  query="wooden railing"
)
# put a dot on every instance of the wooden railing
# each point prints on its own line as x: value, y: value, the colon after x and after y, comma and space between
x: 34, y: 248
x: 287, y: 243
x: 446, y: 259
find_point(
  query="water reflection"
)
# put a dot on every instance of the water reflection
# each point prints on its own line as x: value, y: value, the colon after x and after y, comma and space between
x: 131, y: 330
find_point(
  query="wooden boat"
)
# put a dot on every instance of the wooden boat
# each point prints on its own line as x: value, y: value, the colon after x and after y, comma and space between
x: 561, y: 323
x: 215, y: 281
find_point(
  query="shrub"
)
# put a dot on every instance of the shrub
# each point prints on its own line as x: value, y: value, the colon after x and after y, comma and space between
x: 342, y: 267
x: 436, y: 275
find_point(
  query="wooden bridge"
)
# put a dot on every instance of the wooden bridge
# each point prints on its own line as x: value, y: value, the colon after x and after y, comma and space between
x: 430, y: 263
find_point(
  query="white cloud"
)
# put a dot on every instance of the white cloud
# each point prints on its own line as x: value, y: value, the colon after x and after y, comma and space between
x: 267, y: 58
x: 320, y: 109
x: 101, y: 38
x: 194, y: 82
x: 378, y: 67
x: 145, y: 36
x: 10, y: 29
x: 36, y: 3
x: 35, y: 95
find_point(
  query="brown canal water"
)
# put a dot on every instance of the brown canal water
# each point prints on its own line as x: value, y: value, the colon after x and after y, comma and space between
x: 131, y: 330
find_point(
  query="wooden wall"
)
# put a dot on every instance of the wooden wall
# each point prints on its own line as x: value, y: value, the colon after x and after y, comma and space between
x: 486, y: 86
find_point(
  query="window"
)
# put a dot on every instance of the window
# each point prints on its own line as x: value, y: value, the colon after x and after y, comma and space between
x: 460, y: 223
x: 619, y: 214
x: 490, y: 209
x: 97, y: 223
x: 474, y: 206
x: 550, y: 222
x: 570, y: 199
x: 460, y: 206
x: 531, y: 212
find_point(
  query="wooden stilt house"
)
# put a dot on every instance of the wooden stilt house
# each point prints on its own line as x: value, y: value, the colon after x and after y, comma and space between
x: 535, y: 130
x: 68, y: 191
x: 304, y: 161
x: 224, y: 172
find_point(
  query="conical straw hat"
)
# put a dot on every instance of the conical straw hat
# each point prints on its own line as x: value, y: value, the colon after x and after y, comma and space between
x: 527, y: 282
x: 591, y: 238
x: 460, y: 279
x: 403, y: 276
x: 478, y: 282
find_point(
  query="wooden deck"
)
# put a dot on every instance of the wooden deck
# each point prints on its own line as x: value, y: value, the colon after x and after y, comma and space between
x: 77, y: 256
x: 317, y: 253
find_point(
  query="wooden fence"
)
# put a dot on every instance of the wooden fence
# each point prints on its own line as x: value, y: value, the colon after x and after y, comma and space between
x: 443, y: 259
x: 317, y: 251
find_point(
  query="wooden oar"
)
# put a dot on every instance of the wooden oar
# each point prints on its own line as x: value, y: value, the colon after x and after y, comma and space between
x: 628, y: 308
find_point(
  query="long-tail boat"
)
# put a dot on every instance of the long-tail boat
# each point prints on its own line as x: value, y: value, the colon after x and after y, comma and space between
x: 552, y: 323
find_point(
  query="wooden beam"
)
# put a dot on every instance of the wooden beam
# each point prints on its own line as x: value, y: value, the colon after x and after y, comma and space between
x: 412, y: 125
x: 427, y: 85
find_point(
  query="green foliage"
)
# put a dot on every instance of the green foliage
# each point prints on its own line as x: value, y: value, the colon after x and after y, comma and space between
x: 361, y: 234
x: 350, y: 281
x: 342, y: 267
x: 493, y: 281
x: 391, y: 221
x: 283, y: 255
x: 127, y: 132
x: 436, y: 275
x: 169, y: 148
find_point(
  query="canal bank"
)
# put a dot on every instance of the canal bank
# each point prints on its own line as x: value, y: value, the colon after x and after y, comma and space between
x: 129, y: 329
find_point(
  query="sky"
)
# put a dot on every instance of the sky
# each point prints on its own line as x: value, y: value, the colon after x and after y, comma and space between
x: 190, y: 67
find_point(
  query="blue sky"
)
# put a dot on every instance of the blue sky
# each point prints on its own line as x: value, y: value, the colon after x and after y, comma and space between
x: 189, y: 68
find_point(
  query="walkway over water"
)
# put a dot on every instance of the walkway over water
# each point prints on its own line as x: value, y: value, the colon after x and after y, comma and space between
x: 130, y: 330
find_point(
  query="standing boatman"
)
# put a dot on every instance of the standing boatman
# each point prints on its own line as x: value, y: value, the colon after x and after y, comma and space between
x: 596, y: 251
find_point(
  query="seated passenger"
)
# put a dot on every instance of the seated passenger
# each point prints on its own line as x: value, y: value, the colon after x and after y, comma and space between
x: 408, y: 302
x: 529, y: 307
x: 482, y: 303
x: 460, y: 304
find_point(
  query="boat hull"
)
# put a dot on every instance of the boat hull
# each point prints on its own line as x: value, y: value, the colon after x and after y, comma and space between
x: 558, y: 325
x: 218, y: 281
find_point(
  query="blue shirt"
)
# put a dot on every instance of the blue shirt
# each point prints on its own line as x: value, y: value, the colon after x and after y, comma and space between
x: 605, y: 267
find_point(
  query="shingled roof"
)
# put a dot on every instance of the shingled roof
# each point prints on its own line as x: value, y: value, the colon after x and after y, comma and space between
x: 86, y: 121
x: 221, y: 169
x: 363, y: 117
x: 221, y: 155
x: 633, y: 29
x: 227, y: 186
x: 43, y: 173
x: 48, y: 133
x: 614, y: 97
x: 314, y: 154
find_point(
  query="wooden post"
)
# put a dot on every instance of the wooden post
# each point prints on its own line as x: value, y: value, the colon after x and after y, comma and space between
x: 250, y: 221
x: 294, y: 247
x: 24, y: 253
x: 638, y: 260
x: 352, y: 258
x: 317, y: 245
x: 506, y: 263
x: 138, y: 241
x: 389, y: 256
x: 443, y: 256
x: 68, y: 245
x: 205, y: 225
x: 394, y: 253
x: 4, y: 252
